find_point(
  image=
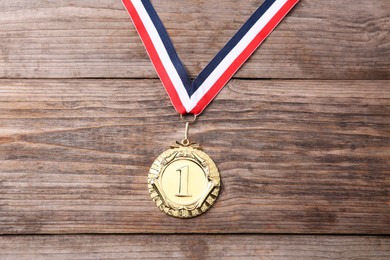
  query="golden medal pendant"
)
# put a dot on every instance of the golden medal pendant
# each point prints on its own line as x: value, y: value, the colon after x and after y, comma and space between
x: 184, y: 181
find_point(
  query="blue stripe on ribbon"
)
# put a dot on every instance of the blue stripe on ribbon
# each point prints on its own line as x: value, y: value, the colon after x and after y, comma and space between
x: 192, y: 86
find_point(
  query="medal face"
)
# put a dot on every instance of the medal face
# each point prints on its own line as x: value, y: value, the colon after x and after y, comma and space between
x: 184, y: 181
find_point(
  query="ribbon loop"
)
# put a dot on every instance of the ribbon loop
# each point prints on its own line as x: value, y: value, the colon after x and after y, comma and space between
x: 192, y: 97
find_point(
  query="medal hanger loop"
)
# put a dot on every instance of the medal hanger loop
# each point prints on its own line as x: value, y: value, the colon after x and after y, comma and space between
x: 186, y: 141
x: 187, y: 118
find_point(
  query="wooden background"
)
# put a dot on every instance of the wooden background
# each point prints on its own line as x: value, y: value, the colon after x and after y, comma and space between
x: 301, y: 135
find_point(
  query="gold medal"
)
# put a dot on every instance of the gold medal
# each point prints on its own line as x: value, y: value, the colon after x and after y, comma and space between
x: 184, y: 181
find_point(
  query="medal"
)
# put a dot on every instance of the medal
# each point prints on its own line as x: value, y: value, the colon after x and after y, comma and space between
x: 184, y: 181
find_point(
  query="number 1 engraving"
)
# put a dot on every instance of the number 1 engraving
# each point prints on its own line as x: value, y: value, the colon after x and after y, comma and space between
x: 183, y: 182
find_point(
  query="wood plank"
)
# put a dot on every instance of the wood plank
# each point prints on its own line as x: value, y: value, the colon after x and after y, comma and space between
x: 294, y: 156
x: 193, y: 247
x: 89, y: 38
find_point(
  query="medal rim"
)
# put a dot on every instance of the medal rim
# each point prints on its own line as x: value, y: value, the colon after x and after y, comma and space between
x: 209, y: 169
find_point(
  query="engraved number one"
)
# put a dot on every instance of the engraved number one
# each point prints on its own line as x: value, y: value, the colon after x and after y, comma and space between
x: 183, y: 184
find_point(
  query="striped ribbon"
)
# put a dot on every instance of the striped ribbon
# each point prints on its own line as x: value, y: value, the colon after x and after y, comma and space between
x: 192, y: 96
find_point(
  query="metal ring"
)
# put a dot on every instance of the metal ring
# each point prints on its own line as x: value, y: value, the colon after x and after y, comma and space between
x: 185, y: 142
x: 188, y: 121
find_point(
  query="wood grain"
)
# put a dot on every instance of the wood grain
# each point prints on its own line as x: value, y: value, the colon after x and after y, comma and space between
x: 194, y: 247
x: 95, y: 38
x: 295, y: 156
